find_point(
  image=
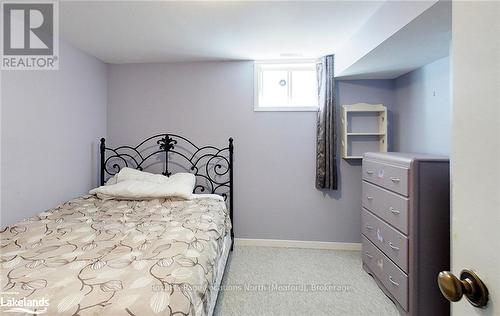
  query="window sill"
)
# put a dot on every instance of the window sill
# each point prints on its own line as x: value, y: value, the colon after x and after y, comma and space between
x: 286, y: 109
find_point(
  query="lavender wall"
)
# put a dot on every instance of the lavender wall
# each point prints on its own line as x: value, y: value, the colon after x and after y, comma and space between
x: 50, y: 124
x: 422, y: 115
x: 275, y: 196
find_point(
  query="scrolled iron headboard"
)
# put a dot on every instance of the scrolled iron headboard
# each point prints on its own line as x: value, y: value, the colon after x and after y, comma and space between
x: 212, y: 166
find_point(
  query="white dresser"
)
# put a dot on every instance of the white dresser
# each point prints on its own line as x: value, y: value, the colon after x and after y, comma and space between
x: 405, y: 228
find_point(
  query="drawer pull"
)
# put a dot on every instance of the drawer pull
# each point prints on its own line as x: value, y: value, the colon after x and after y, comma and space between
x: 369, y: 198
x: 393, y: 210
x: 393, y: 247
x: 369, y: 227
x: 392, y: 281
x: 369, y: 172
x: 368, y: 255
x: 395, y: 180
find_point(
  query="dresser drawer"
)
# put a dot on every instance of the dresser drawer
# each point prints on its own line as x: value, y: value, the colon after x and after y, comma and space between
x: 390, y: 177
x: 390, y: 241
x: 389, y: 206
x: 393, y: 279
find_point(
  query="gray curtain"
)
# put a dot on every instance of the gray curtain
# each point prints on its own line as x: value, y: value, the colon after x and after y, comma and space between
x: 326, y: 156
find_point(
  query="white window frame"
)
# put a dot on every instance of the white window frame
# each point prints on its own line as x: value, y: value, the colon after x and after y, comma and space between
x: 257, y: 82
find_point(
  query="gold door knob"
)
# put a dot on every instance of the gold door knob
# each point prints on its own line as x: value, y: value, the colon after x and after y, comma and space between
x: 469, y: 284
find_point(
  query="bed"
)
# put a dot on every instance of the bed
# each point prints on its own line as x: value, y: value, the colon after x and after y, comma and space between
x: 163, y: 256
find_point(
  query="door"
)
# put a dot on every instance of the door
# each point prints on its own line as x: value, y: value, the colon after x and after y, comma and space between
x: 475, y: 159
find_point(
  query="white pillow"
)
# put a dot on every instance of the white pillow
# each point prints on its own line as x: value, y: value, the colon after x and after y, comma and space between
x: 179, y: 185
x: 134, y: 174
x: 112, y: 180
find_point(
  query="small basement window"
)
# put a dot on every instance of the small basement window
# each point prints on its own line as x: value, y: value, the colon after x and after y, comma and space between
x: 285, y: 86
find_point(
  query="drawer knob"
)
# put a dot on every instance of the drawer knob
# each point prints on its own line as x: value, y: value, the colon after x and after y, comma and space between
x: 368, y: 255
x: 393, y: 210
x: 393, y: 282
x: 469, y: 284
x: 369, y: 172
x: 395, y: 180
x: 369, y: 227
x: 369, y: 198
x: 393, y: 247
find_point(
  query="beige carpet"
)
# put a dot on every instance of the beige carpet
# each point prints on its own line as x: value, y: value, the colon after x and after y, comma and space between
x: 281, y: 281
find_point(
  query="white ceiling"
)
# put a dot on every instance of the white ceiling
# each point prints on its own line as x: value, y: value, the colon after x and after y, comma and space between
x: 145, y: 31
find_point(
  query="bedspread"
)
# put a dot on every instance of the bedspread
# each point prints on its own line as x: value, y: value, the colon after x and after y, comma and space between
x: 110, y: 257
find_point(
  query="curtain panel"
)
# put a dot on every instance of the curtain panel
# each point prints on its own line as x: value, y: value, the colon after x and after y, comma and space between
x: 326, y: 155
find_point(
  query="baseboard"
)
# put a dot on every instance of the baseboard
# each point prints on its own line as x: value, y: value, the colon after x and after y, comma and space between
x: 297, y: 244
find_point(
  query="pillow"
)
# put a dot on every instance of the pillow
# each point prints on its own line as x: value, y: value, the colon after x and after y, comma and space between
x: 134, y: 174
x: 112, y: 180
x: 179, y: 185
x: 182, y: 182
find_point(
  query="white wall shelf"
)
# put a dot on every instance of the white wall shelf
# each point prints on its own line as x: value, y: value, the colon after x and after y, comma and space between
x: 365, y: 134
x: 364, y: 129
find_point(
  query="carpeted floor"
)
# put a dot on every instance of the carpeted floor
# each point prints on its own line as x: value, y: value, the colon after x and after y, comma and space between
x: 281, y: 281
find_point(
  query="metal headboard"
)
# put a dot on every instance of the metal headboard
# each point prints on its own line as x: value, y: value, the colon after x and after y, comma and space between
x: 212, y: 166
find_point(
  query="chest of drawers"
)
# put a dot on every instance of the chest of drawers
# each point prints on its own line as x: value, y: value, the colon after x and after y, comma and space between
x: 405, y: 228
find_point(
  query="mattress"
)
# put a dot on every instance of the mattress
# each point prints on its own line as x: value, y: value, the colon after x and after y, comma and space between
x: 221, y: 267
x: 91, y: 256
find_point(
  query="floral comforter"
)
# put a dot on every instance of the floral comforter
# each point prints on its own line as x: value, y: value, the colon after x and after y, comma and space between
x: 108, y: 257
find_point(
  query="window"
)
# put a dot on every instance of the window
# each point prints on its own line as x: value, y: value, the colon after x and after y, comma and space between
x: 286, y: 86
